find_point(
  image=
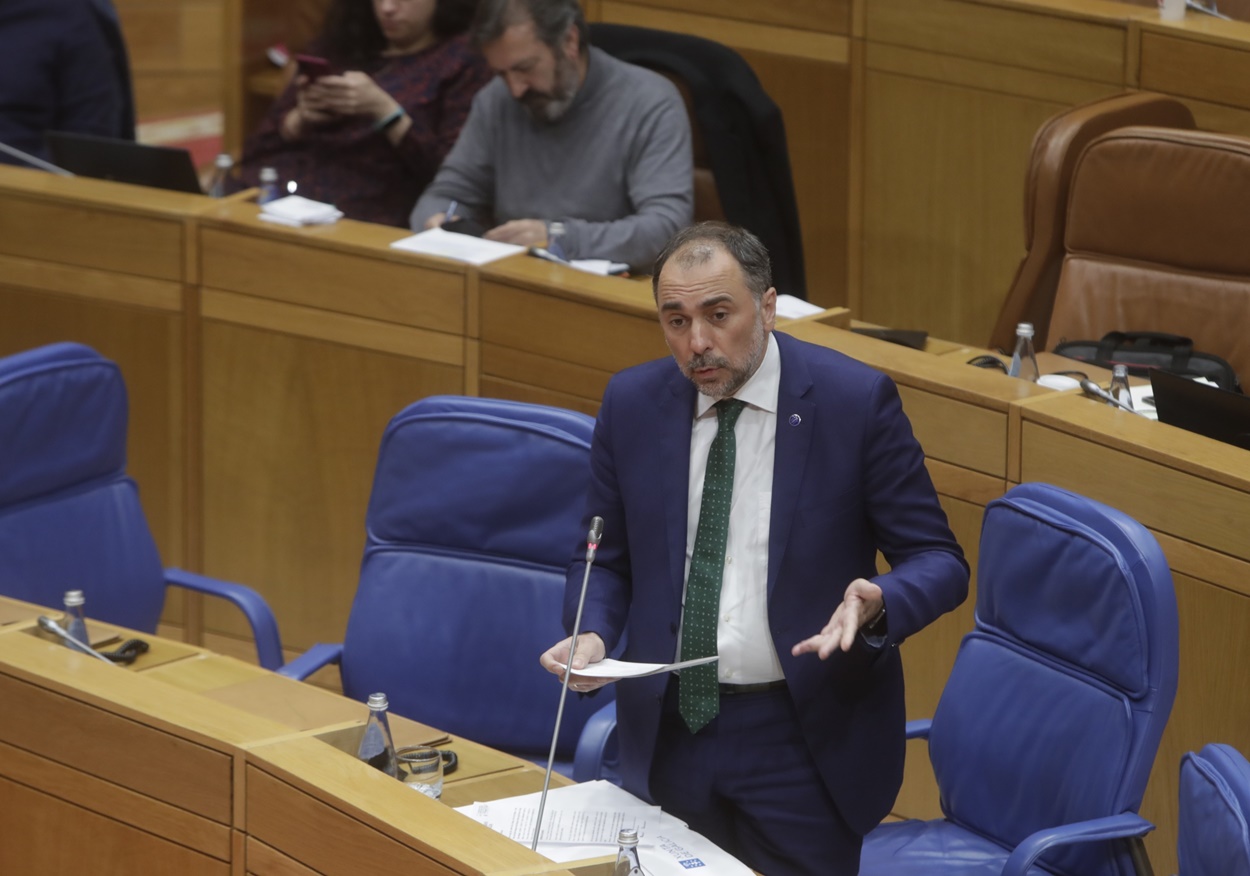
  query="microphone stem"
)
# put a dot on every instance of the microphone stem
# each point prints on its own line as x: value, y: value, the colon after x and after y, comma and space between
x: 564, y: 692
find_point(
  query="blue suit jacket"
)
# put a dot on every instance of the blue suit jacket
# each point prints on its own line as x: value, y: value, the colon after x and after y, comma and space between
x: 849, y: 480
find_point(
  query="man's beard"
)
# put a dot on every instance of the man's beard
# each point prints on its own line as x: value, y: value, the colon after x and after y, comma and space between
x: 738, y: 375
x: 550, y: 106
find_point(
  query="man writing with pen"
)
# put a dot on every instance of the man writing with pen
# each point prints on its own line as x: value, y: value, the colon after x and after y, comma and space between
x: 565, y: 134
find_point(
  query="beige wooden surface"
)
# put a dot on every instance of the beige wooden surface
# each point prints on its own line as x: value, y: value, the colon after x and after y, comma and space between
x: 205, y: 765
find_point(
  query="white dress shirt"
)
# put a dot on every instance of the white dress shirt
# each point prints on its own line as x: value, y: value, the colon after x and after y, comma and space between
x: 743, y: 640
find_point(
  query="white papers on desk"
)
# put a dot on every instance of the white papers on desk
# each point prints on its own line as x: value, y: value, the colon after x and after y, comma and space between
x: 461, y: 247
x: 789, y: 307
x: 609, y: 668
x: 666, y: 847
x: 296, y: 210
x: 602, y: 267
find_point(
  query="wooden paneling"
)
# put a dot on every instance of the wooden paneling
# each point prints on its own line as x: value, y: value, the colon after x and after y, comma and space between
x: 825, y: 16
x: 1034, y: 39
x: 1195, y: 68
x: 130, y: 753
x: 366, y: 284
x: 147, y: 346
x: 176, y: 49
x: 59, y: 837
x: 290, y: 435
x: 943, y: 181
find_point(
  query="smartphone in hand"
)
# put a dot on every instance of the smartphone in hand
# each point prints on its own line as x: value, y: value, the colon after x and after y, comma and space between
x: 313, y: 67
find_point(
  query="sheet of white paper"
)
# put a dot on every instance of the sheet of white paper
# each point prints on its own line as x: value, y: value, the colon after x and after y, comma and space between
x: 461, y: 247
x: 790, y: 307
x: 609, y: 668
x: 669, y: 848
x: 300, y: 210
x: 603, y: 267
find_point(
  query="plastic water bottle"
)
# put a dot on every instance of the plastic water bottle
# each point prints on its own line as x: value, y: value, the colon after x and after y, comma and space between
x: 1024, y: 360
x: 1119, y: 386
x: 75, y: 622
x: 377, y: 747
x: 223, y: 163
x: 268, y: 186
x: 555, y: 233
x: 627, y: 854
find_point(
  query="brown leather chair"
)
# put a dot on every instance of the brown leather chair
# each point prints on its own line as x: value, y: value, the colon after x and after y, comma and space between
x: 1056, y: 147
x: 1158, y: 239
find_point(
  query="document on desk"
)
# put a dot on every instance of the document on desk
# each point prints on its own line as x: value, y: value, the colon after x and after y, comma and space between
x: 461, y: 247
x: 609, y: 668
x: 665, y: 845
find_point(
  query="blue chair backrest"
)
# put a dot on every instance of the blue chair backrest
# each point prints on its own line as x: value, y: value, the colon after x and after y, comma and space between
x: 1057, y: 700
x: 1213, y: 838
x: 70, y: 518
x: 475, y: 515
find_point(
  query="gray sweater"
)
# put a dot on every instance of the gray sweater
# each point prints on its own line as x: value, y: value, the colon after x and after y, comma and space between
x: 616, y: 169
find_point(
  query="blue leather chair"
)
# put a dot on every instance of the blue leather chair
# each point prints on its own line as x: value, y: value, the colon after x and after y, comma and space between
x: 70, y: 517
x: 1047, y: 729
x: 474, y: 517
x: 1213, y: 838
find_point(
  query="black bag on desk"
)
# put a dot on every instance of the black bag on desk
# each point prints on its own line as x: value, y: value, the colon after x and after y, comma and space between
x: 1143, y: 352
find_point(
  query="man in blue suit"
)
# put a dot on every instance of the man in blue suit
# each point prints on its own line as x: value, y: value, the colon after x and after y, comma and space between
x: 803, y: 750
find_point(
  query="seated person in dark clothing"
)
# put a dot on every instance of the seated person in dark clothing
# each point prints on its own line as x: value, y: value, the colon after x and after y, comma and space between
x: 368, y: 139
x: 61, y: 69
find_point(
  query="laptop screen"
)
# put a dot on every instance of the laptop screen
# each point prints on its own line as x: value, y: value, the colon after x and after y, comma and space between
x: 1197, y: 407
x: 162, y: 167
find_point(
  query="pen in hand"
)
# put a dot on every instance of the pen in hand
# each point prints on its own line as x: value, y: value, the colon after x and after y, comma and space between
x: 451, y: 212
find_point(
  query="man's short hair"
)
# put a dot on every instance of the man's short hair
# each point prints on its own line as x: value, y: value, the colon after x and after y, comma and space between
x: 551, y: 19
x: 697, y: 244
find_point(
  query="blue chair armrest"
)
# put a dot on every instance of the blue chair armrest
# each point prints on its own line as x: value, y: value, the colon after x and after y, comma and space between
x: 919, y: 729
x: 1122, y: 826
x: 316, y: 657
x: 264, y: 625
x: 593, y: 743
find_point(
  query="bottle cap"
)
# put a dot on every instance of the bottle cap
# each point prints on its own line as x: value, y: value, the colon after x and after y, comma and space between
x: 1024, y: 330
x: 268, y: 174
x: 73, y: 597
x: 1119, y: 371
x: 223, y: 161
x: 378, y: 701
x: 627, y: 836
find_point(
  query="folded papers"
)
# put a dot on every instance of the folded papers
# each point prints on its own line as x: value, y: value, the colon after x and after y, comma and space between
x: 296, y: 210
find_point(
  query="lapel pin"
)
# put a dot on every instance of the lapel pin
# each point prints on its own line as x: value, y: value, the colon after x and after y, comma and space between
x: 795, y: 419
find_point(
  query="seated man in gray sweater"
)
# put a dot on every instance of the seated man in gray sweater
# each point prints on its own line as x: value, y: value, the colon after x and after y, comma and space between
x: 567, y: 134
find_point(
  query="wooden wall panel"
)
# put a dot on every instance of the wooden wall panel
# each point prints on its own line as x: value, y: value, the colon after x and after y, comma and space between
x: 291, y: 433
x: 147, y: 346
x: 943, y: 181
x: 176, y: 50
x: 69, y: 839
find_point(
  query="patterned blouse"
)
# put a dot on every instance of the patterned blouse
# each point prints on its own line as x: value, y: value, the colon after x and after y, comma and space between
x: 356, y: 168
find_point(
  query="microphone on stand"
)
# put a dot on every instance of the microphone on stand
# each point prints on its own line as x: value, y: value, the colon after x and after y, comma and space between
x: 33, y: 160
x: 1093, y: 389
x: 592, y: 546
x: 47, y: 623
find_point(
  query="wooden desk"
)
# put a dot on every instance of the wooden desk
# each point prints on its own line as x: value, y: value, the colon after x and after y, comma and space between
x: 205, y: 765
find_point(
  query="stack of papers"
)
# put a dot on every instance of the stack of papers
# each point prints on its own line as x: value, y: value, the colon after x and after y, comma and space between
x: 296, y: 210
x: 583, y: 821
x: 461, y: 247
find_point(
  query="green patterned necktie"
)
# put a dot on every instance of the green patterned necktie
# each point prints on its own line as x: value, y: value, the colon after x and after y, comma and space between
x: 698, y: 691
